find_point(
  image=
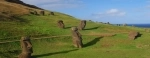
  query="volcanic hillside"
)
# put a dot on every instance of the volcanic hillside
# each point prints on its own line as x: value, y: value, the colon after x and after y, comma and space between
x: 100, y: 39
x: 10, y: 8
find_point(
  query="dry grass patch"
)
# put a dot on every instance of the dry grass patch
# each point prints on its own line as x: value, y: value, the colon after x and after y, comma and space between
x: 101, y: 34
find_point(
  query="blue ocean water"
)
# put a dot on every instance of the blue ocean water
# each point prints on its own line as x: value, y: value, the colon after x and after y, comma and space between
x: 140, y: 25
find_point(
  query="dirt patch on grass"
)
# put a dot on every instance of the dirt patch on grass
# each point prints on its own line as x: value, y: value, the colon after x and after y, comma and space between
x: 101, y: 34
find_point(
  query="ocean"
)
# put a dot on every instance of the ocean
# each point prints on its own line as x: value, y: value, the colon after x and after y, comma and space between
x: 140, y: 25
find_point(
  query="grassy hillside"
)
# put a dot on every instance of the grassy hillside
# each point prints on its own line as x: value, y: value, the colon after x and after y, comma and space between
x: 49, y: 41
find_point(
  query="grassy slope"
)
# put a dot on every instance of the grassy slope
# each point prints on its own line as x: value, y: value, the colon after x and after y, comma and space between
x: 118, y: 46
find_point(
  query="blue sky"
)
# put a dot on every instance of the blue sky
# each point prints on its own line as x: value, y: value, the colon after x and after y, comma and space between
x: 113, y: 11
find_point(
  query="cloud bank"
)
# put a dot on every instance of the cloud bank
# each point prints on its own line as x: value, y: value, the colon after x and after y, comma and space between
x: 110, y: 13
x: 115, y: 12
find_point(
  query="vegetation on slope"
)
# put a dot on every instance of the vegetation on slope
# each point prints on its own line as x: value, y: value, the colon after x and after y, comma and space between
x: 97, y: 39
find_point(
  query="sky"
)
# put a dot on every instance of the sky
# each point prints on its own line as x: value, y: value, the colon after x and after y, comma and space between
x: 113, y: 11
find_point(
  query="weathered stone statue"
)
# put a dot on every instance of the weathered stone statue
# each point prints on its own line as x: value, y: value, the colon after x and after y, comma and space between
x: 76, y: 37
x: 52, y: 13
x: 108, y: 23
x: 133, y: 34
x: 82, y: 25
x: 35, y: 13
x: 60, y: 24
x: 42, y: 12
x: 26, y: 47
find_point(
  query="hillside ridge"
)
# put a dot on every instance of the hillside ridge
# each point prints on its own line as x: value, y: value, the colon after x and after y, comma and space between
x: 22, y: 3
x: 11, y: 8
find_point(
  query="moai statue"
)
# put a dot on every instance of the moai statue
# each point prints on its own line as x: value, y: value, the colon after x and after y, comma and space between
x: 108, y: 23
x: 133, y: 34
x: 42, y: 12
x: 35, y: 12
x: 60, y: 24
x: 76, y: 37
x: 82, y: 25
x: 31, y: 11
x: 26, y: 47
x: 52, y: 13
x: 118, y: 24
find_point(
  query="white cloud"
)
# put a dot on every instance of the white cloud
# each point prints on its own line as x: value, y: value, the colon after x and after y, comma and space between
x: 110, y: 13
x: 115, y: 12
x: 55, y: 4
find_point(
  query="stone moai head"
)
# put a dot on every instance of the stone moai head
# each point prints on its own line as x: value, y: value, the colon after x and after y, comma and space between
x: 133, y: 34
x: 35, y: 13
x: 74, y: 28
x: 26, y: 47
x: 82, y: 25
x: 42, y: 12
x: 60, y: 24
x: 26, y: 44
x: 76, y: 37
x: 52, y: 13
x: 108, y: 23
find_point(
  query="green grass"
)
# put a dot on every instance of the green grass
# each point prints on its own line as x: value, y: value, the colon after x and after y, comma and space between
x: 106, y: 47
x: 117, y: 46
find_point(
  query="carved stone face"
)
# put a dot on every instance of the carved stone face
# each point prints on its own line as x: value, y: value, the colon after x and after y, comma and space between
x: 60, y: 24
x: 74, y: 29
x: 26, y: 47
x: 25, y: 38
x: 60, y: 21
x: 26, y: 44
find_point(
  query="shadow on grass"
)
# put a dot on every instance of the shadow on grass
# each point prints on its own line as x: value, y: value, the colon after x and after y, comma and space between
x: 94, y: 41
x: 92, y: 28
x: 13, y: 18
x: 22, y: 20
x: 49, y: 54
x: 67, y: 27
x: 139, y: 35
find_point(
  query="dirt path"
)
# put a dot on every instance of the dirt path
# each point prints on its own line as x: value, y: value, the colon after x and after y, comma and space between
x: 34, y: 38
x: 103, y: 35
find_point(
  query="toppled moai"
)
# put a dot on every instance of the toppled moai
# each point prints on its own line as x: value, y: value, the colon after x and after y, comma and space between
x: 26, y: 47
x: 76, y: 37
x: 133, y: 34
x: 52, y: 13
x: 34, y: 12
x: 60, y: 24
x: 82, y: 25
x: 42, y: 12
